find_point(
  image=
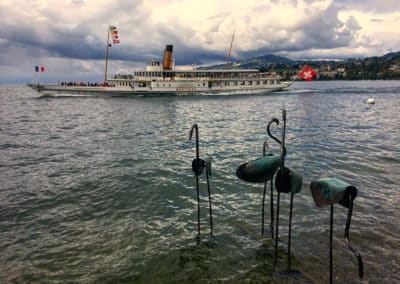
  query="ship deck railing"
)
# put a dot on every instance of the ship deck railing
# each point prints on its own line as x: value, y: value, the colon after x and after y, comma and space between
x: 196, y: 78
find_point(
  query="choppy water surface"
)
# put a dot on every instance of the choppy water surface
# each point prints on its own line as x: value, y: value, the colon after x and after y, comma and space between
x: 101, y: 189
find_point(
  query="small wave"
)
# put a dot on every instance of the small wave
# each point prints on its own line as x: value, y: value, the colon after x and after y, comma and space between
x: 349, y: 87
x: 9, y: 146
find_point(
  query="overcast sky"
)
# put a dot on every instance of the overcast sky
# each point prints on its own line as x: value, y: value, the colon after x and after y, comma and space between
x: 69, y: 37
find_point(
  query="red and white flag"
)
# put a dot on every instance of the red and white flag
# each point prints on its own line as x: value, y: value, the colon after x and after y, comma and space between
x: 307, y: 73
x: 114, y: 34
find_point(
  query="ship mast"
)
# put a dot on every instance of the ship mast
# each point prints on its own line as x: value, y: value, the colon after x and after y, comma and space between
x: 107, y: 51
x: 229, y: 52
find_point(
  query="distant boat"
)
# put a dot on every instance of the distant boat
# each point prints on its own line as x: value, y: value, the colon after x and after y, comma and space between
x: 165, y: 79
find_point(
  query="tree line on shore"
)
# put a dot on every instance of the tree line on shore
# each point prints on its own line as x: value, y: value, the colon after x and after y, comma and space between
x: 372, y: 68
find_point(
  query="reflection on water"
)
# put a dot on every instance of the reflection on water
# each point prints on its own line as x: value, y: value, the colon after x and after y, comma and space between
x: 97, y: 189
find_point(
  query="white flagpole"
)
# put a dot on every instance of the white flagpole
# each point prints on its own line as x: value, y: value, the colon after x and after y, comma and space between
x: 107, y: 50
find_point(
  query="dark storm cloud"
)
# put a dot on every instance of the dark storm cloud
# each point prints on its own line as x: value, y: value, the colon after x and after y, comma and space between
x: 74, y: 32
x: 70, y: 44
x: 52, y: 38
x: 321, y: 31
x: 136, y: 27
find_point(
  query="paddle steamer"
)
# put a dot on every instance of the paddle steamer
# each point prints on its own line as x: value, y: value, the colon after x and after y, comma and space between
x: 162, y: 78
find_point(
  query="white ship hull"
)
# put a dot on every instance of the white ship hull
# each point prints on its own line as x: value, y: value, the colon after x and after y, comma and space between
x: 165, y: 79
x: 176, y: 88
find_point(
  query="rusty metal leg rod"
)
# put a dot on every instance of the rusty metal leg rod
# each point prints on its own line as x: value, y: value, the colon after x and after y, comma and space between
x: 330, y: 248
x: 198, y: 205
x: 290, y: 231
x: 209, y: 201
x: 277, y: 228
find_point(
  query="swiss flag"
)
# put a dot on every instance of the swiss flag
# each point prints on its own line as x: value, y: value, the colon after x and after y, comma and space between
x: 307, y: 73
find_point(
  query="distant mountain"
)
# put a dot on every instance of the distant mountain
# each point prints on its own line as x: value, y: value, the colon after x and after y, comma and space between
x: 392, y: 55
x: 255, y: 62
x: 262, y: 61
x: 274, y: 62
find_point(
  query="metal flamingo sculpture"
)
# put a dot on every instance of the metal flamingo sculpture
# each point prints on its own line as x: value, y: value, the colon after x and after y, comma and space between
x: 198, y: 166
x: 286, y: 181
x: 283, y: 152
x: 329, y: 191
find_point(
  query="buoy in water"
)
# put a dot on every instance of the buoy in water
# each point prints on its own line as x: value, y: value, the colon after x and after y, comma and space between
x: 371, y: 101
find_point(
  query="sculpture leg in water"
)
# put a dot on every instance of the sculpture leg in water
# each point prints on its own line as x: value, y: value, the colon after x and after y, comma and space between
x: 208, y: 174
x: 327, y: 192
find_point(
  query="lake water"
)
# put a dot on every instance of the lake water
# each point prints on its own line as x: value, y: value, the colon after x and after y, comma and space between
x: 101, y: 189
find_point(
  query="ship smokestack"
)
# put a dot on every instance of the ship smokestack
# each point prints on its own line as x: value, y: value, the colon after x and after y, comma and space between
x: 168, y: 57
